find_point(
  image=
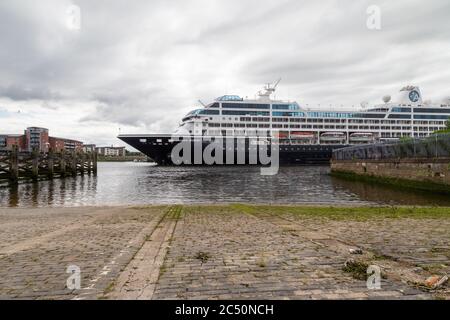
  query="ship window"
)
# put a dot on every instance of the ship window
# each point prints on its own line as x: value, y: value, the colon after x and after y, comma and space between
x: 399, y: 116
x: 209, y: 112
x: 397, y: 109
x: 430, y: 116
x: 431, y: 110
x: 245, y: 113
x: 142, y: 140
x: 292, y: 106
x: 230, y: 98
x: 245, y: 106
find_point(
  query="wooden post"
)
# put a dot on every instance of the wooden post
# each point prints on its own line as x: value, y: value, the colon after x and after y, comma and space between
x: 35, y: 164
x: 74, y: 163
x: 94, y: 164
x: 82, y: 157
x: 89, y: 162
x: 62, y: 163
x: 14, y: 164
x: 50, y: 163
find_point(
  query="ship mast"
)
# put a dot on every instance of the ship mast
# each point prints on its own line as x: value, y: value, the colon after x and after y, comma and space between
x: 268, y: 90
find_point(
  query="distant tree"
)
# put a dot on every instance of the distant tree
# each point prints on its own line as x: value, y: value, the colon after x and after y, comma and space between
x: 447, y: 128
x: 405, y: 139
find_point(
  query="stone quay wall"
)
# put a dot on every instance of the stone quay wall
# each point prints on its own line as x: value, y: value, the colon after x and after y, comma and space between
x: 423, y: 172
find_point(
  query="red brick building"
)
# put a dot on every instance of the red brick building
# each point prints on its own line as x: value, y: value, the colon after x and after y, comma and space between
x: 38, y: 138
x: 60, y: 144
x: 9, y: 140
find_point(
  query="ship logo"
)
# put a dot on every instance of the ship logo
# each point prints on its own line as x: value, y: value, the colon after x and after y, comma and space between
x: 414, y: 96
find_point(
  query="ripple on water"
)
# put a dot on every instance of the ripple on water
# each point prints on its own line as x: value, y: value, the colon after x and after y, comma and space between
x: 143, y: 183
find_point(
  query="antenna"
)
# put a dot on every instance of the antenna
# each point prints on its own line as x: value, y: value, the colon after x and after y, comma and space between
x: 276, y: 84
x: 268, y: 90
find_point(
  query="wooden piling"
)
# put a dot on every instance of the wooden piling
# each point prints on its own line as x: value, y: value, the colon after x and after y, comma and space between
x: 73, y: 164
x: 36, y: 165
x: 82, y: 158
x: 62, y: 163
x: 50, y: 163
x: 94, y: 165
x: 89, y: 162
x: 14, y: 165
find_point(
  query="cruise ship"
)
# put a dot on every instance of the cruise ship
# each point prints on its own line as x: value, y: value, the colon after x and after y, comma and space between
x: 302, y: 135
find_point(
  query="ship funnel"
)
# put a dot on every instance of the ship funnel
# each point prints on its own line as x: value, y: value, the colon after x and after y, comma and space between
x: 410, y: 95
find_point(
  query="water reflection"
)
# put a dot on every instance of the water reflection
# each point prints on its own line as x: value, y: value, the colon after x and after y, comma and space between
x: 142, y: 183
x: 391, y: 195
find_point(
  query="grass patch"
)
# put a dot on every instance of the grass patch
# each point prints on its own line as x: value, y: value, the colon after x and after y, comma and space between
x: 202, y: 256
x: 357, y: 269
x: 109, y: 288
x: 262, y: 263
x: 349, y: 213
x: 426, y: 186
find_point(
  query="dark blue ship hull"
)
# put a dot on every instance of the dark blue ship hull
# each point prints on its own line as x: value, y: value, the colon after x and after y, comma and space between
x: 159, y: 149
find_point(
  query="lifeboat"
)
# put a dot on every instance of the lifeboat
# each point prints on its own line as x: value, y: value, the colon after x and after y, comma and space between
x: 280, y: 135
x: 332, y: 137
x: 361, y: 137
x: 301, y: 135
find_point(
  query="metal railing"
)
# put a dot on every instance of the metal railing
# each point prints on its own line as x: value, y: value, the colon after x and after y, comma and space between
x: 434, y: 146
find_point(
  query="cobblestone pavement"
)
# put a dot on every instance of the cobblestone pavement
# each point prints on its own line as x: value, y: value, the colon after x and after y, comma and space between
x: 39, y: 244
x: 214, y: 252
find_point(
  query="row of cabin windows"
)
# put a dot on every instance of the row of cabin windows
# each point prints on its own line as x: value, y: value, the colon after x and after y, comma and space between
x: 343, y: 127
x: 263, y: 118
x: 294, y: 106
x: 391, y: 122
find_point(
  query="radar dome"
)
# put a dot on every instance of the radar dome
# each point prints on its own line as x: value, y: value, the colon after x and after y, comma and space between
x: 386, y: 99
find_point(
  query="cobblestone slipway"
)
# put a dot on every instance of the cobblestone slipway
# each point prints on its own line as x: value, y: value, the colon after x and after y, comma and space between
x: 214, y: 252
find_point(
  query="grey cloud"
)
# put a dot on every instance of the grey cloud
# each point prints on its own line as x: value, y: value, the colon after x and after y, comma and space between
x: 143, y: 64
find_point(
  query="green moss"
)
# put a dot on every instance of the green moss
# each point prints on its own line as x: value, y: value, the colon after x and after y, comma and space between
x: 357, y: 269
x: 202, y: 256
x: 348, y: 213
x: 426, y: 186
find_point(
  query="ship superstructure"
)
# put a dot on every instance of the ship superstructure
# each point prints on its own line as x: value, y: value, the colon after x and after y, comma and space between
x: 308, y: 134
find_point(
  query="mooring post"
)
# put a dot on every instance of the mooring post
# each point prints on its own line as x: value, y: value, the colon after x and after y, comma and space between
x: 82, y: 161
x: 62, y: 163
x: 50, y: 163
x: 14, y: 164
x: 89, y: 162
x: 35, y: 164
x: 74, y: 163
x: 94, y: 164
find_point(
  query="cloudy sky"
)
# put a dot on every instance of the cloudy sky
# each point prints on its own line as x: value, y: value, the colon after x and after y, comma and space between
x: 141, y: 65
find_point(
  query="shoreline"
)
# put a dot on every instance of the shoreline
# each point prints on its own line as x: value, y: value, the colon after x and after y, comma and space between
x: 311, y: 205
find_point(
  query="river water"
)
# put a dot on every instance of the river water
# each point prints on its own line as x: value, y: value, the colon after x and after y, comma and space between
x: 128, y: 183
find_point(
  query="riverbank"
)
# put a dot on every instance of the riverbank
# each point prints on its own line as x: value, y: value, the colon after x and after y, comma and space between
x: 430, y: 175
x: 223, y: 251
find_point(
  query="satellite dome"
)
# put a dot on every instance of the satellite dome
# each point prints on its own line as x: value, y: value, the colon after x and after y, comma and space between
x: 386, y: 99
